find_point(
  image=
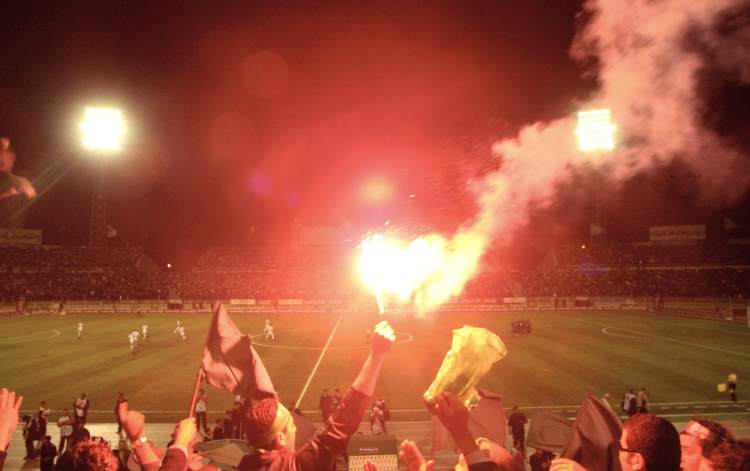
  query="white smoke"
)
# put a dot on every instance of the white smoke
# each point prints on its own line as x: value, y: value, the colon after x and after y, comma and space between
x: 648, y: 73
x: 648, y: 56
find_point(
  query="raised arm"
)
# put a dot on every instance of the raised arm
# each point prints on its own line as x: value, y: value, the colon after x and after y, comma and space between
x: 134, y: 424
x: 321, y: 451
x: 178, y: 455
x: 10, y: 404
x: 455, y: 418
x: 382, y: 340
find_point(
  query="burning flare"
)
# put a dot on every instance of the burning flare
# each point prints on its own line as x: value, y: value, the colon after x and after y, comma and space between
x: 427, y: 270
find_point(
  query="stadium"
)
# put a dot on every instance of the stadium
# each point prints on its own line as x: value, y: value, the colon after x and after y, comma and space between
x: 236, y: 245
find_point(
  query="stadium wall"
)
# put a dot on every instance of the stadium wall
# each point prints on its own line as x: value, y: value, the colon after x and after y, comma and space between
x: 735, y: 309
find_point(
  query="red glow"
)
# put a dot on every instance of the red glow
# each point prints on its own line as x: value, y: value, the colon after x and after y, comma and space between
x: 233, y: 137
x: 265, y: 74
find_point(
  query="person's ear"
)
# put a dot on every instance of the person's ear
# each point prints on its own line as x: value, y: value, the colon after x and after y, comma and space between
x: 281, y: 438
x: 637, y: 462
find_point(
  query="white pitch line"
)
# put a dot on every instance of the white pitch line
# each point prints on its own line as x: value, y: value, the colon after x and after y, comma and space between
x: 317, y: 364
x: 668, y: 339
x: 705, y: 415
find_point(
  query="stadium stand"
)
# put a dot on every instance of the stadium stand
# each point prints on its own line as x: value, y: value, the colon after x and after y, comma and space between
x: 713, y: 270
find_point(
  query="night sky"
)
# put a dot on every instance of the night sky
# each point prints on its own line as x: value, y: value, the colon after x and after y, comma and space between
x: 245, y: 115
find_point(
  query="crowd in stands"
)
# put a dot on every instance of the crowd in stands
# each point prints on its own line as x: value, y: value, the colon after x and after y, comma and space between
x: 59, y: 258
x: 117, y: 285
x: 694, y: 254
x: 244, y: 259
x: 57, y: 273
x: 727, y: 283
x: 644, y: 442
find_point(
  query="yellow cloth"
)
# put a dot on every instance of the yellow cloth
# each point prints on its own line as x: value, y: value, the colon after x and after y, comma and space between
x: 721, y: 387
x: 473, y: 352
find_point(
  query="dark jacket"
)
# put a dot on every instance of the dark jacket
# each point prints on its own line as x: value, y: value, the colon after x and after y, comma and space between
x: 321, y: 451
x: 47, y: 456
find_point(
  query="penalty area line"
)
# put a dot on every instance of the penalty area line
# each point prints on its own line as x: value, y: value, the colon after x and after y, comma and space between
x: 317, y: 364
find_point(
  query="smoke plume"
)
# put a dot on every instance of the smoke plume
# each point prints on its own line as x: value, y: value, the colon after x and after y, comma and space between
x: 649, y: 57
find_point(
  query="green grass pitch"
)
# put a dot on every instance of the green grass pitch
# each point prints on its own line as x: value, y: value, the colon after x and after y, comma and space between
x: 677, y: 359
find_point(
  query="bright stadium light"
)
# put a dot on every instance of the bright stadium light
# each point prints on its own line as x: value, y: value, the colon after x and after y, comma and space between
x: 102, y: 129
x: 595, y: 130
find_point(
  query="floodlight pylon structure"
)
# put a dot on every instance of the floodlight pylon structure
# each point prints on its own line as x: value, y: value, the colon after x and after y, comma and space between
x: 596, y: 133
x: 102, y: 136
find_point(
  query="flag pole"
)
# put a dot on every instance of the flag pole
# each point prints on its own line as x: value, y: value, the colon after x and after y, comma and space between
x: 196, y: 388
x: 199, y: 375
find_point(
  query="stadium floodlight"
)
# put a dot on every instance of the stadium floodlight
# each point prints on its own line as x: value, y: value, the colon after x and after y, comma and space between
x: 102, y: 129
x: 595, y: 130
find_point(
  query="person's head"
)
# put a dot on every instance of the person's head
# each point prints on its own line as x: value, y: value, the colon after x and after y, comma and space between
x: 120, y: 396
x: 698, y: 439
x: 649, y: 443
x: 270, y: 426
x: 47, y: 438
x: 201, y: 391
x: 497, y: 454
x: 690, y: 452
x: 728, y: 456
x: 337, y: 390
x: 515, y: 409
x: 325, y: 391
x: 65, y: 412
x: 80, y: 433
x: 93, y: 455
x: 43, y: 404
x: 83, y: 395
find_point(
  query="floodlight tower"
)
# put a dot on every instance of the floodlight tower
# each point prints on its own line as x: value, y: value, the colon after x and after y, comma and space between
x: 596, y: 133
x: 102, y: 136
